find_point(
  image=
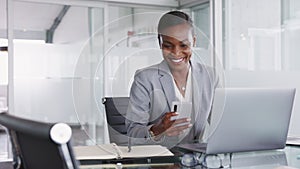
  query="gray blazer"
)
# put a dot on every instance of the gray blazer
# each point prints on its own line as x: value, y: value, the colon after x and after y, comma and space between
x: 152, y: 94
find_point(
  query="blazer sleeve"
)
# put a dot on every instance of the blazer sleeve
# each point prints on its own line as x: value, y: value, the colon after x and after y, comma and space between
x: 144, y: 109
x: 137, y: 116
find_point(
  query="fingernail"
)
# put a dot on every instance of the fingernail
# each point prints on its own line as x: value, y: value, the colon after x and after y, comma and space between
x: 190, y: 125
x: 188, y: 119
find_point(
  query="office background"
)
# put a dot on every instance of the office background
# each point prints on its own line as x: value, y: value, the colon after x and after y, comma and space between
x: 59, y: 58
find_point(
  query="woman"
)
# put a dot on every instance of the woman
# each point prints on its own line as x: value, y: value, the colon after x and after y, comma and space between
x: 150, y: 119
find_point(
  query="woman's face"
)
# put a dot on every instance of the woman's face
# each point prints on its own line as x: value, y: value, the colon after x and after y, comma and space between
x: 176, y: 44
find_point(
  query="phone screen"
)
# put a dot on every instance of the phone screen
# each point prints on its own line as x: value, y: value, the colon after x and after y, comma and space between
x: 184, y: 109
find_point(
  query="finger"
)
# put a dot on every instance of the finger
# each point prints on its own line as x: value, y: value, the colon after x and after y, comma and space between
x: 173, y: 132
x: 182, y: 120
x: 182, y: 127
x: 177, y: 131
x: 167, y: 120
x: 171, y: 114
x: 178, y: 128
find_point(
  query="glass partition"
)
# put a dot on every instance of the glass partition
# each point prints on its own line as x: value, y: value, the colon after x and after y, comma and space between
x: 52, y: 81
x: 291, y: 34
x: 4, y: 146
x: 201, y: 15
x: 252, y: 39
x: 260, y: 49
x: 67, y: 58
x: 3, y: 74
x: 3, y: 56
x: 70, y: 56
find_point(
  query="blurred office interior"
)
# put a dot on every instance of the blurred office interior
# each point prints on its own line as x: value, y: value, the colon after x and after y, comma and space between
x: 59, y: 58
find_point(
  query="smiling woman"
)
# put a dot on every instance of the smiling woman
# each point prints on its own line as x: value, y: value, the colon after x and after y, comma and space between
x: 150, y: 119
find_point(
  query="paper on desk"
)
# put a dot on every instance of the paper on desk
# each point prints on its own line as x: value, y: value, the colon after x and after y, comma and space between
x: 107, y: 151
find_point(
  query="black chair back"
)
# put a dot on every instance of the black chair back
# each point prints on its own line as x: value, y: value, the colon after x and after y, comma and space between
x: 116, y: 108
x: 37, y: 145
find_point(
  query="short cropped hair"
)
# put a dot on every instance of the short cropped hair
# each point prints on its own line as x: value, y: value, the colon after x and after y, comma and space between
x: 173, y: 18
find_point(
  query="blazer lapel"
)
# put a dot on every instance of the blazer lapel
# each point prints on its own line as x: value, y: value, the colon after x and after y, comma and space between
x: 197, y: 100
x: 166, y: 82
x: 196, y: 85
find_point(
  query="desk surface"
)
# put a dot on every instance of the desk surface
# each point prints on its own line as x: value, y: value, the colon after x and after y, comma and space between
x: 273, y: 159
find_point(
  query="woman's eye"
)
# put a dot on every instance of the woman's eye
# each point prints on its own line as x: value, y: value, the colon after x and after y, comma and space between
x: 183, y: 45
x: 167, y: 46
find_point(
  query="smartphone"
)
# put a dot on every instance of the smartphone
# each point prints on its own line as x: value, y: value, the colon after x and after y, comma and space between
x: 184, y: 109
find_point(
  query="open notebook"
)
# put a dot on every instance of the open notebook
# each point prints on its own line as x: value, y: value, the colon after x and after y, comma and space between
x: 112, y: 151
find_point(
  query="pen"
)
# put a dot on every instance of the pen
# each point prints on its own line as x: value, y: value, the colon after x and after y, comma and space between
x: 175, y: 108
x: 129, y: 144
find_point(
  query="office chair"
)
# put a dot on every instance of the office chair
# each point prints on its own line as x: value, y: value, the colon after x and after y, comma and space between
x: 39, y: 145
x: 116, y: 108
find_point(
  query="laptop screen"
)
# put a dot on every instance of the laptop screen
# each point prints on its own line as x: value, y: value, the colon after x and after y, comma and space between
x: 249, y: 119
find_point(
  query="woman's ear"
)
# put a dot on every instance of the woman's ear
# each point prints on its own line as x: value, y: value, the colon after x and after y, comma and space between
x: 159, y: 40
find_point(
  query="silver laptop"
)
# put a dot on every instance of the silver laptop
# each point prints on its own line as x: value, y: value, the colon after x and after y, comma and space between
x: 247, y: 119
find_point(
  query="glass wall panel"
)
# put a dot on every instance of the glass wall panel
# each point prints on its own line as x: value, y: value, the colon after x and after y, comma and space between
x: 68, y: 57
x: 3, y: 74
x: 3, y: 56
x: 253, y: 39
x: 260, y: 40
x: 203, y: 46
x: 54, y: 65
x: 291, y: 34
x: 3, y: 21
x: 3, y: 77
x: 132, y: 44
x: 201, y: 15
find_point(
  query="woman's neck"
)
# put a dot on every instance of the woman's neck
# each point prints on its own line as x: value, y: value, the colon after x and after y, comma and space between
x: 180, y: 78
x: 181, y: 74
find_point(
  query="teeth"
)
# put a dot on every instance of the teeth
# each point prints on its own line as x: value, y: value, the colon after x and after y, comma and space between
x: 177, y: 60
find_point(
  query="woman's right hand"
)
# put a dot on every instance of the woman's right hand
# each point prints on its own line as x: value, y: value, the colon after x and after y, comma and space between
x: 169, y: 127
